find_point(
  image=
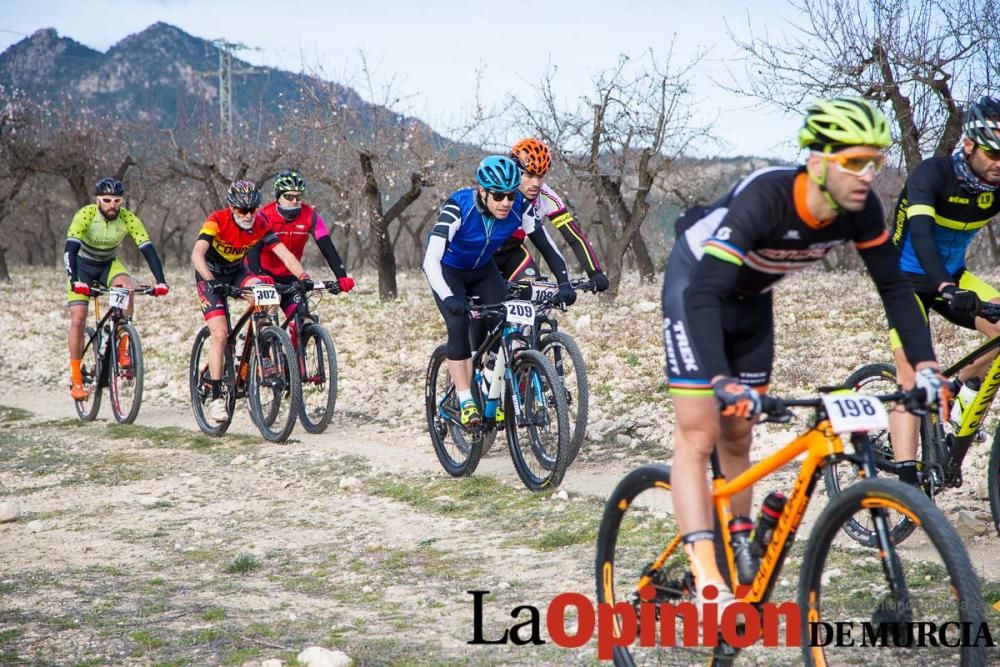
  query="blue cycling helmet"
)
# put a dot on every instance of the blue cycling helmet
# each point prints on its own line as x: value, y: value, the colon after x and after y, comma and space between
x: 499, y: 174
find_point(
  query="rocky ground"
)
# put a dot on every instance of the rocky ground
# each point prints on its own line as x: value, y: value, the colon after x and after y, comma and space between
x: 152, y: 544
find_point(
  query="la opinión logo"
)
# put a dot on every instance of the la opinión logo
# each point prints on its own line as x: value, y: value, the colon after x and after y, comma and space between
x: 740, y: 625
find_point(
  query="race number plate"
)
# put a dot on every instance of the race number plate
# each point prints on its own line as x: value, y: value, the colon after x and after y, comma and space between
x: 520, y: 312
x: 118, y: 297
x: 265, y: 295
x: 850, y: 412
x: 542, y: 291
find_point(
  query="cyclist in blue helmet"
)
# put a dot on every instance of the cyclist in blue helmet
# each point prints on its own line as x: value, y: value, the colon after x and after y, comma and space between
x: 471, y: 225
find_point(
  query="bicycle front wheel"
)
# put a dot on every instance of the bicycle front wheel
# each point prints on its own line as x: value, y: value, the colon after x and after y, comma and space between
x: 458, y: 449
x: 993, y: 480
x: 894, y: 588
x: 538, y: 431
x: 275, y: 386
x: 319, y: 378
x: 201, y: 390
x: 564, y: 354
x: 870, y: 379
x: 90, y: 369
x: 127, y: 371
x: 638, y: 546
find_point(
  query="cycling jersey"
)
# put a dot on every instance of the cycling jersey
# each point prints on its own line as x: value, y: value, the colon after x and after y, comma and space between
x: 229, y: 243
x: 95, y: 238
x: 935, y: 212
x: 549, y: 206
x: 755, y: 235
x: 466, y: 236
x: 294, y: 234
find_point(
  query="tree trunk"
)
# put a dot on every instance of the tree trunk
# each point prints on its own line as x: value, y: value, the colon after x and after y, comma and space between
x: 4, y: 272
x: 385, y: 260
x: 644, y: 262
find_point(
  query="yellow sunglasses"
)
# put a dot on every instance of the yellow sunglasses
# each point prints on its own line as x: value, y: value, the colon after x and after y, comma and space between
x: 856, y: 162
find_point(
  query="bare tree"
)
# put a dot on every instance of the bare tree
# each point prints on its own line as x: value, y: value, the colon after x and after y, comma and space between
x: 620, y: 139
x: 921, y: 59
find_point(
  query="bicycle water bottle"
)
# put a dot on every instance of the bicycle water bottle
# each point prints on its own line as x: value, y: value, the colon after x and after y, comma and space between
x: 240, y: 342
x: 739, y: 539
x: 770, y: 512
x: 105, y: 339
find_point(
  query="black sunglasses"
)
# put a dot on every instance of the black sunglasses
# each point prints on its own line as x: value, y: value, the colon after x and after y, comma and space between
x: 291, y: 197
x: 245, y: 211
x: 500, y: 196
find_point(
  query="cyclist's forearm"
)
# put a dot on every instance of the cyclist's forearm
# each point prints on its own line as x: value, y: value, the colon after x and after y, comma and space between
x: 432, y: 267
x: 289, y: 260
x: 70, y: 254
x: 153, y: 259
x: 331, y: 256
x: 578, y: 241
x: 198, y: 259
x: 926, y: 248
x: 552, y: 256
x: 711, y: 281
x: 901, y: 306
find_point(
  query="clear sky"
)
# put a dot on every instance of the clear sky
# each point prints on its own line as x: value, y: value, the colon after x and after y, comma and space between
x: 431, y: 49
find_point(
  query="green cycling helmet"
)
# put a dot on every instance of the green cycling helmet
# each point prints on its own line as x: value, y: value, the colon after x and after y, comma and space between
x: 844, y: 121
x: 288, y: 181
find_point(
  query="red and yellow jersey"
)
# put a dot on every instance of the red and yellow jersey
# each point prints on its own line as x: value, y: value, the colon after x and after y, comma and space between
x: 228, y: 242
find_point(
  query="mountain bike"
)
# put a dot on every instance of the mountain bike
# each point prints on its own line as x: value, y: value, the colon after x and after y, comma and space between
x: 259, y: 364
x: 317, y: 357
x: 942, y: 452
x: 640, y: 559
x: 525, y: 397
x: 561, y: 349
x: 112, y: 357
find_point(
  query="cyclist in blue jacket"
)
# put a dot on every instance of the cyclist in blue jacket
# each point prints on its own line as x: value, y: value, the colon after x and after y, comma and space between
x: 471, y: 225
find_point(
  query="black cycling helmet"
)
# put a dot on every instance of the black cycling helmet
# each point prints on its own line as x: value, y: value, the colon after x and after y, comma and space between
x: 110, y: 186
x: 288, y: 181
x: 244, y: 194
x: 982, y: 123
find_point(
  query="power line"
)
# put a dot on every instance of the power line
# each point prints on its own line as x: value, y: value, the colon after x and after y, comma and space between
x: 225, y: 74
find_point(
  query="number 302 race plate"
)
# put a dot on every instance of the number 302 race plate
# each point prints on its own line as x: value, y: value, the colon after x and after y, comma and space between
x: 851, y: 412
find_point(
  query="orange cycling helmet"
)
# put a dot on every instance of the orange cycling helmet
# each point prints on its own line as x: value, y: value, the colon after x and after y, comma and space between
x: 532, y: 156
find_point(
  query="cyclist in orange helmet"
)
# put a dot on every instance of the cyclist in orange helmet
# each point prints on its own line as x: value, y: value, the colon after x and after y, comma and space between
x: 534, y: 159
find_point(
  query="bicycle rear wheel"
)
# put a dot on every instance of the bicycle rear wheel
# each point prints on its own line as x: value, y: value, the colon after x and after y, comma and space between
x: 931, y: 581
x: 993, y: 480
x: 127, y: 370
x: 319, y: 379
x: 638, y: 544
x: 273, y: 394
x: 564, y: 354
x: 870, y: 379
x: 90, y: 369
x: 458, y: 449
x: 201, y: 390
x: 538, y: 437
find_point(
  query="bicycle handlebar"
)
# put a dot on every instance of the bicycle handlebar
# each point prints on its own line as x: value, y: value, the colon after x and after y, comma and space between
x: 777, y: 408
x: 331, y: 286
x: 990, y: 312
x: 97, y: 289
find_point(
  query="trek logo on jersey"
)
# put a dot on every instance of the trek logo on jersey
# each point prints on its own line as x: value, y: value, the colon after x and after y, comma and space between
x: 674, y: 331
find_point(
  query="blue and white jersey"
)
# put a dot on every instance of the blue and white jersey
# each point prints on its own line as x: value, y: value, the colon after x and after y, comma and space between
x: 472, y: 235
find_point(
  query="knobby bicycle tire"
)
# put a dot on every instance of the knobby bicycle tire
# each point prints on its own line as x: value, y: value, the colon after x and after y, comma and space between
x: 460, y: 457
x: 540, y: 454
x: 633, y: 535
x: 842, y: 593
x: 834, y: 475
x: 274, y: 399
x: 993, y: 480
x: 91, y: 367
x: 126, y: 380
x: 319, y: 381
x: 556, y: 346
x: 201, y: 395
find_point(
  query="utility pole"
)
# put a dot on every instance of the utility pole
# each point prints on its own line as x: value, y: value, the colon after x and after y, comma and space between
x: 225, y: 74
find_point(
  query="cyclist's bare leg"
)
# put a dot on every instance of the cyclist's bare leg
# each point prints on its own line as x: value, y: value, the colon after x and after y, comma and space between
x: 216, y: 350
x: 903, y: 426
x: 695, y: 435
x: 461, y: 373
x: 125, y: 280
x: 735, y: 439
x: 977, y: 369
x: 77, y: 323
